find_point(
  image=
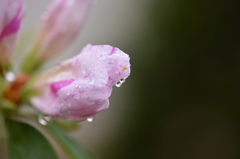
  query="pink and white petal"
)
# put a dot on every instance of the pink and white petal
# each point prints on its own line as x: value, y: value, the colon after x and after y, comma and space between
x: 104, y: 58
x: 3, y: 8
x: 87, y: 112
x: 92, y: 74
x: 48, y: 103
x: 10, y: 25
x: 54, y: 36
x: 82, y: 93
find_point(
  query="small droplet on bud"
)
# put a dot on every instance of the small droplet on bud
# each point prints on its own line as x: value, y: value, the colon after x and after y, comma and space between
x: 118, y: 84
x: 44, y: 119
x: 90, y: 101
x: 90, y: 119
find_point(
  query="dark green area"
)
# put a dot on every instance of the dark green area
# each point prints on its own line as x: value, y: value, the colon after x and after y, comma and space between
x: 25, y: 142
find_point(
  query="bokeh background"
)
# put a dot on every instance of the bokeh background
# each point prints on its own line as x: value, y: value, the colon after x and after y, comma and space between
x: 182, y: 100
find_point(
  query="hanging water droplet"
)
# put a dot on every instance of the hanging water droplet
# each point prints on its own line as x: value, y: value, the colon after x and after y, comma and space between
x: 10, y: 76
x: 44, y: 119
x: 118, y: 84
x: 122, y: 80
x: 90, y: 119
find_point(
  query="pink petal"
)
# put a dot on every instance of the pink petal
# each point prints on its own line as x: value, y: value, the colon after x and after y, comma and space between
x: 56, y: 86
x: 93, y: 73
x: 10, y: 20
x: 61, y: 24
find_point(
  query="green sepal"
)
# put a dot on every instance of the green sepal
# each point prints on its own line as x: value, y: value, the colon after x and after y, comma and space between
x: 32, y: 61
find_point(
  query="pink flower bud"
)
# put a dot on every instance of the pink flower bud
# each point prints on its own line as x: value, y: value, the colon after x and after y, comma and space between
x: 80, y: 87
x: 61, y: 24
x: 11, y: 14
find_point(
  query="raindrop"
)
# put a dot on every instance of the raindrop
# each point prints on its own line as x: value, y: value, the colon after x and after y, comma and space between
x: 44, y: 119
x: 90, y: 119
x: 118, y: 84
x: 10, y: 76
x: 122, y: 80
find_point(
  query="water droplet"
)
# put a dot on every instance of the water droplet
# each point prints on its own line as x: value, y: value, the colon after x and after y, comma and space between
x: 118, y: 84
x: 10, y: 76
x: 90, y: 119
x: 44, y: 119
x: 90, y: 101
x: 92, y: 82
x: 122, y: 80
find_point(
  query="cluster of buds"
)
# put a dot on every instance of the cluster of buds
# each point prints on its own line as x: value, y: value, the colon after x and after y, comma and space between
x: 75, y: 89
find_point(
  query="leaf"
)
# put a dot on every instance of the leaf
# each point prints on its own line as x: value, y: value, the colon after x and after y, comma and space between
x: 25, y: 142
x: 66, y: 125
x: 72, y: 147
x: 65, y: 147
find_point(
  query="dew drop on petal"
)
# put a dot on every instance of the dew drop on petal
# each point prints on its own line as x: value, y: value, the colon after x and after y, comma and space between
x: 90, y: 119
x: 10, y: 76
x: 44, y: 119
x: 90, y: 101
x: 122, y: 80
x: 118, y: 84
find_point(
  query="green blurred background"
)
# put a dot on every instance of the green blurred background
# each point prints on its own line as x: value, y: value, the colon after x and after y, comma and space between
x: 182, y: 100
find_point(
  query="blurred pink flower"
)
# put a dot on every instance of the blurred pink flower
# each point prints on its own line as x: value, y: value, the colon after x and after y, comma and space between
x: 60, y: 25
x: 80, y: 87
x: 75, y: 89
x: 11, y: 14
